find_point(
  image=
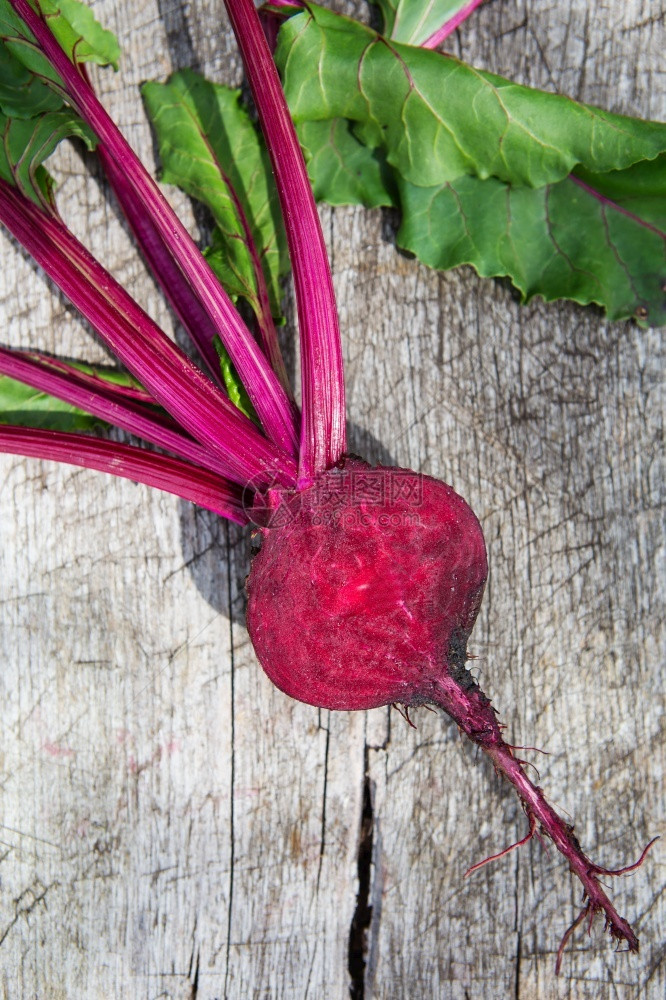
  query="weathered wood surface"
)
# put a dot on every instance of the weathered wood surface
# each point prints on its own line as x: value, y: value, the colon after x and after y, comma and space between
x: 171, y: 825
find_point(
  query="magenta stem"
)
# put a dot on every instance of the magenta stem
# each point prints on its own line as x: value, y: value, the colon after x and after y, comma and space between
x: 287, y: 5
x: 123, y: 413
x: 322, y: 379
x: 268, y: 397
x: 261, y: 303
x: 173, y: 379
x: 95, y: 381
x: 265, y: 321
x: 174, y: 285
x: 129, y: 462
x: 165, y: 270
x: 450, y: 26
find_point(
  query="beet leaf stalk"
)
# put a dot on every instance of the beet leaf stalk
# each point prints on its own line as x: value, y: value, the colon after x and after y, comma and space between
x: 163, y: 368
x: 209, y: 148
x: 119, y: 389
x: 268, y: 397
x: 451, y: 24
x: 322, y: 379
x: 106, y: 404
x: 177, y: 289
x: 129, y: 462
x: 165, y: 270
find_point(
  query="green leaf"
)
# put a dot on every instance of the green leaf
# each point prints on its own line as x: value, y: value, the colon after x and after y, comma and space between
x: 23, y: 406
x: 22, y: 94
x: 232, y: 383
x: 80, y: 34
x: 640, y: 190
x: 211, y: 150
x: 439, y: 119
x: 27, y: 142
x: 73, y: 24
x: 20, y: 43
x: 114, y: 376
x: 414, y: 21
x: 34, y: 117
x: 342, y: 170
x: 601, y: 239
x: 226, y: 270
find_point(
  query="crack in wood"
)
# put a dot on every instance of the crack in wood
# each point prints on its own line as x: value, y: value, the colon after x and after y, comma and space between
x: 28, y: 901
x: 516, y: 992
x: 194, y: 963
x: 322, y: 841
x: 361, y: 920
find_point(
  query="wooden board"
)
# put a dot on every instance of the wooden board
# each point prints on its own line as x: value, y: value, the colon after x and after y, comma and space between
x: 170, y: 824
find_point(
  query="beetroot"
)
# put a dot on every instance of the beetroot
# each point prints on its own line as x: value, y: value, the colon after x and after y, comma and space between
x: 366, y: 588
x: 364, y: 593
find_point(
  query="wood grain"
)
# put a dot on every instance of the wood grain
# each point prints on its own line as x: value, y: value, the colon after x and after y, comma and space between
x: 171, y: 825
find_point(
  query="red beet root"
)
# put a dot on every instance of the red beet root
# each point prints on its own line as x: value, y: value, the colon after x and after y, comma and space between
x: 370, y: 586
x: 364, y: 593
